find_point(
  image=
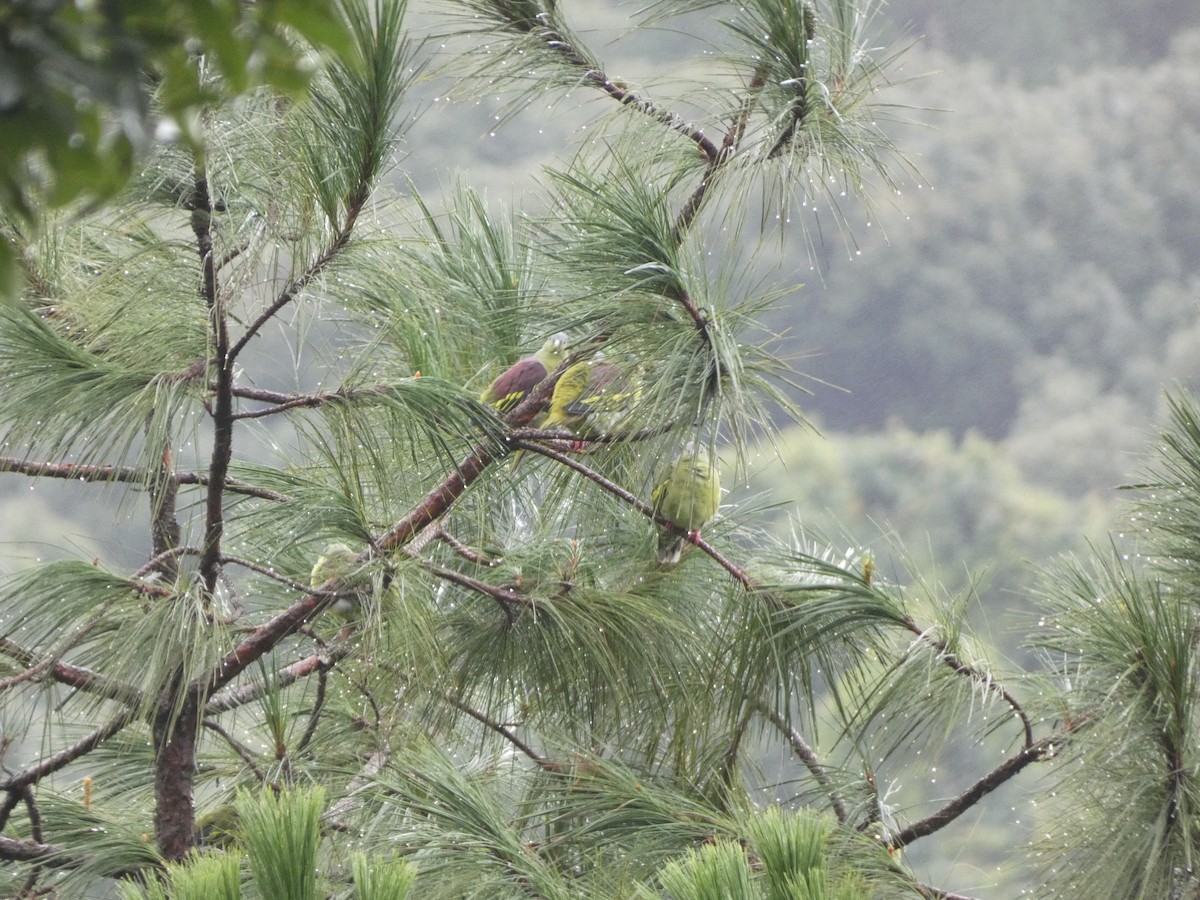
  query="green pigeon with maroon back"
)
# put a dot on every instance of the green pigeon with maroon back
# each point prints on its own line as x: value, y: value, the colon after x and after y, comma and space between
x: 514, y: 383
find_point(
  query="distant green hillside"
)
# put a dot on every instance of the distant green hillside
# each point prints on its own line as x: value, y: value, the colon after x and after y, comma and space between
x: 1041, y: 286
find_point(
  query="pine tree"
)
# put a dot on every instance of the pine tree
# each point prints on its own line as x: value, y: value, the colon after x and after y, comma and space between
x: 280, y: 357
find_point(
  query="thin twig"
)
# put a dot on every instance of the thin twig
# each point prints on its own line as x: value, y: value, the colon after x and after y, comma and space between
x: 729, y: 761
x: 461, y: 549
x: 123, y: 474
x: 504, y: 732
x: 502, y: 595
x: 362, y: 688
x: 241, y: 750
x: 233, y: 253
x: 153, y: 562
x: 73, y: 471
x: 285, y: 402
x: 233, y: 487
x: 738, y: 574
x: 808, y: 756
x: 227, y: 560
x: 314, y: 717
x: 716, y: 163
x: 559, y: 439
x: 292, y: 289
x: 69, y: 644
x: 554, y: 40
x: 710, y: 150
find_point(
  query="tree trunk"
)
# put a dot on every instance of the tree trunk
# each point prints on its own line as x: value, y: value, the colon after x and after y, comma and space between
x: 174, y: 771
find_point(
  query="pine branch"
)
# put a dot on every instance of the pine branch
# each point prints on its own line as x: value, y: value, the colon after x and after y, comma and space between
x: 233, y: 487
x: 506, y: 597
x: 267, y: 636
x: 269, y: 572
x: 949, y: 658
x: 153, y: 563
x: 36, y: 669
x: 55, y: 857
x: 506, y: 733
x: 691, y: 208
x: 263, y: 640
x: 366, y: 692
x: 552, y: 38
x: 76, y: 676
x: 314, y: 717
x: 27, y: 851
x: 297, y: 284
x: 1043, y: 749
x: 73, y: 471
x: 810, y: 759
x: 733, y: 137
x: 671, y: 120
x: 284, y: 402
x: 124, y: 474
x: 1031, y: 751
x: 798, y: 111
x: 221, y: 409
x: 68, y: 755
x: 242, y: 751
x: 437, y: 502
x: 248, y: 693
x: 738, y: 574
x: 730, y: 756
x: 233, y: 253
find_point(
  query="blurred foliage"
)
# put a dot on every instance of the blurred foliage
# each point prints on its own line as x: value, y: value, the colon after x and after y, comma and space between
x: 920, y: 501
x: 1035, y: 40
x: 77, y: 79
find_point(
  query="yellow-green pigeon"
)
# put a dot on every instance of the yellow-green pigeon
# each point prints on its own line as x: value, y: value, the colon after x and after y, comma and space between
x: 514, y: 383
x: 591, y: 398
x: 339, y: 561
x: 688, y: 497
